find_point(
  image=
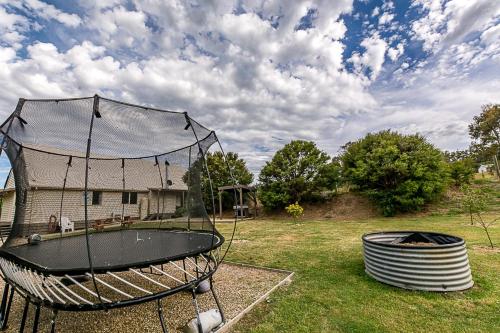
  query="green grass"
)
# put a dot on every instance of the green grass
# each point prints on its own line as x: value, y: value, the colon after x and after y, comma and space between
x: 331, y: 292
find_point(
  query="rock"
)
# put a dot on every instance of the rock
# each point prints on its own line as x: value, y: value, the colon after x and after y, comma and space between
x: 210, y: 320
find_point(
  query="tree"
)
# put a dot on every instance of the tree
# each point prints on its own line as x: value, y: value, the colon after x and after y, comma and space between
x: 475, y: 202
x: 485, y: 131
x: 296, y: 173
x: 399, y: 172
x: 461, y: 166
x: 220, y: 176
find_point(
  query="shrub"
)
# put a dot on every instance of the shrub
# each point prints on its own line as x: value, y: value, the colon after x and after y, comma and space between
x: 461, y: 171
x: 295, y: 210
x: 297, y: 172
x: 399, y: 172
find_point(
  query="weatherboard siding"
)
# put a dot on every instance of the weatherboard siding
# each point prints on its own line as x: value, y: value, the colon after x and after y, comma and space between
x: 41, y: 204
x: 8, y: 207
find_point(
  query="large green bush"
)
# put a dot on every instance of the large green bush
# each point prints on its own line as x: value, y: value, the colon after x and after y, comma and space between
x: 296, y: 173
x: 399, y: 172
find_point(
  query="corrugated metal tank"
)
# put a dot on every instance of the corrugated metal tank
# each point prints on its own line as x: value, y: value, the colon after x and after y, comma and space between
x: 442, y: 266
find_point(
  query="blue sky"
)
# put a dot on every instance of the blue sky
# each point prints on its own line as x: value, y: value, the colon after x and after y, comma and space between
x: 262, y: 73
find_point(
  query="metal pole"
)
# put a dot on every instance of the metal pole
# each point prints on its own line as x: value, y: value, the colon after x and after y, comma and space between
x: 188, y: 205
x: 4, y: 300
x: 5, y: 316
x: 241, y: 202
x: 62, y: 194
x: 220, y: 205
x: 160, y: 314
x: 123, y: 189
x: 95, y: 112
x: 197, y: 310
x: 25, y: 314
x: 53, y: 321
x: 37, y: 317
x: 217, y: 302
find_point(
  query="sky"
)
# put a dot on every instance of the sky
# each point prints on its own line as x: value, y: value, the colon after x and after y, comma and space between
x: 263, y: 73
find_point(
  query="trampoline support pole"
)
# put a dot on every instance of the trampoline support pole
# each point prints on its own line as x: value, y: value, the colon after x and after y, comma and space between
x: 36, y: 319
x: 160, y: 314
x: 217, y: 300
x: 25, y: 314
x: 4, y: 301
x: 197, y: 310
x: 5, y: 313
x: 53, y: 321
x: 184, y: 266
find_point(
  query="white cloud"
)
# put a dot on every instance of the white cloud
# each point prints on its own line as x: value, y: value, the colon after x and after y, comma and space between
x: 119, y: 27
x: 445, y: 24
x: 374, y: 56
x: 12, y: 27
x: 255, y: 79
x: 46, y: 11
x: 395, y: 52
x: 385, y: 18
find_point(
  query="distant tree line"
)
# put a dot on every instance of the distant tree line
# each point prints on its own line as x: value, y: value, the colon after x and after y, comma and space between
x: 399, y: 172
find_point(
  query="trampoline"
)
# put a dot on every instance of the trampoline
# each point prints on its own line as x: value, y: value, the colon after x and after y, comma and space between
x: 108, y: 207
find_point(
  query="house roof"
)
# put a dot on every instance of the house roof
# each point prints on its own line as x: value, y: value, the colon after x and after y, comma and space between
x: 47, y: 171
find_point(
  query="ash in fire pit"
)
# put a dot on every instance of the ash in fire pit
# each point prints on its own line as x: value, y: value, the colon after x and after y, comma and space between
x: 417, y: 260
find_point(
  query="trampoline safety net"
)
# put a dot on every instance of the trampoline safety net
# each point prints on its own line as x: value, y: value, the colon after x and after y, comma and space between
x: 99, y: 185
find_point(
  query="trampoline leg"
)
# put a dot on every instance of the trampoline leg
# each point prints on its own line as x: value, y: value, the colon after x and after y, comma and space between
x: 197, y: 310
x: 217, y: 300
x: 160, y: 314
x: 36, y: 319
x: 5, y: 315
x: 6, y: 290
x: 184, y: 266
x: 25, y: 314
x: 53, y: 321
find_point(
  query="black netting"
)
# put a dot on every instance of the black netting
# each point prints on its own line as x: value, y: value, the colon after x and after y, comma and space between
x: 125, y: 179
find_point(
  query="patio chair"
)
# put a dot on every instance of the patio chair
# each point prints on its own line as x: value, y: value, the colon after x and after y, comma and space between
x: 66, y: 225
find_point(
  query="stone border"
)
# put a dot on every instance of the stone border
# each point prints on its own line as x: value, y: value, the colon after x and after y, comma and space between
x: 286, y: 280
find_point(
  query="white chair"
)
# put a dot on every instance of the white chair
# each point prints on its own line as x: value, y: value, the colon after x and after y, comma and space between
x: 67, y: 225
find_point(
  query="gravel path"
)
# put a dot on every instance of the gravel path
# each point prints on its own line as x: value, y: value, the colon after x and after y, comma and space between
x: 237, y: 288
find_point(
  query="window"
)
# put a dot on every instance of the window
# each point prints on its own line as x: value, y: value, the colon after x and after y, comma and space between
x: 96, y: 197
x: 133, y: 198
x: 129, y: 198
x: 125, y: 197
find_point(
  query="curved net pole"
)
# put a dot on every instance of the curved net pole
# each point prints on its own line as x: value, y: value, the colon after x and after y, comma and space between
x: 123, y: 190
x: 4, y: 187
x: 233, y: 179
x: 188, y: 208
x: 157, y: 163
x: 205, y: 164
x: 8, y: 122
x: 62, y: 195
x: 95, y: 112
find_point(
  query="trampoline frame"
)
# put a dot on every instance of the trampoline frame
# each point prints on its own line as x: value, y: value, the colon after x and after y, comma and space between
x: 42, y: 289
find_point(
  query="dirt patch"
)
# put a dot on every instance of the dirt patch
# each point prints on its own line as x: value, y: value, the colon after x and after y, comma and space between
x: 485, y: 249
x: 237, y: 287
x: 416, y: 244
x: 345, y: 206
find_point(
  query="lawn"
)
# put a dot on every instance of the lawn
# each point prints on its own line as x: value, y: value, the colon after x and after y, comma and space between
x: 331, y: 292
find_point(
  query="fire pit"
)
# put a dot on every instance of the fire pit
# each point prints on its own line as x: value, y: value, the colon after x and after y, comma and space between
x: 417, y: 260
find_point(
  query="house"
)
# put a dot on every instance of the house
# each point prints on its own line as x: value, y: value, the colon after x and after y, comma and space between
x: 138, y: 189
